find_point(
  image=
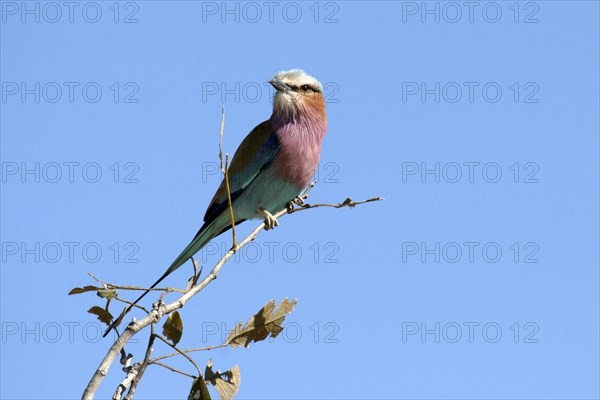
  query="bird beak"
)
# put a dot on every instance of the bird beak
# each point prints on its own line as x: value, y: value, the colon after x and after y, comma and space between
x: 279, y: 85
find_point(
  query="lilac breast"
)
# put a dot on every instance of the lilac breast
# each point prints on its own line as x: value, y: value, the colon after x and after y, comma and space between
x: 300, y: 150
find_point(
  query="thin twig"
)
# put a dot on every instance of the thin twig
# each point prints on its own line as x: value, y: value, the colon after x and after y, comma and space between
x: 311, y: 185
x: 194, y: 278
x: 174, y: 369
x: 180, y: 352
x: 221, y: 131
x: 195, y: 264
x: 99, y: 281
x: 219, y: 346
x: 111, y: 286
x: 234, y: 246
x: 139, y: 288
x: 346, y: 203
x: 225, y: 171
x: 130, y: 303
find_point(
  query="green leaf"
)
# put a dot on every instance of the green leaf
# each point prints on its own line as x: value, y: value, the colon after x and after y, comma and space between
x: 79, y: 290
x: 102, y: 314
x: 199, y: 390
x: 269, y: 320
x: 226, y: 383
x: 173, y: 327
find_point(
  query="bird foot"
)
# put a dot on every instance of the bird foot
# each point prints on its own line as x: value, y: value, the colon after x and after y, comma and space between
x: 298, y: 200
x: 270, y: 221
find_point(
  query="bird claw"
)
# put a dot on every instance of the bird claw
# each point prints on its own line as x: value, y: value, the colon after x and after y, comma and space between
x: 270, y: 221
x: 298, y: 200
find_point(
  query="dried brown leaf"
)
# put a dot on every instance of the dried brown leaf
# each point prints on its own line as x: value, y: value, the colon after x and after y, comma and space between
x: 173, y: 327
x: 79, y: 290
x: 268, y: 320
x: 102, y: 314
x: 226, y: 383
x: 199, y: 390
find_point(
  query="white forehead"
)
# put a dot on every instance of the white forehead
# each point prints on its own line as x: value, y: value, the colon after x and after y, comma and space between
x: 297, y: 77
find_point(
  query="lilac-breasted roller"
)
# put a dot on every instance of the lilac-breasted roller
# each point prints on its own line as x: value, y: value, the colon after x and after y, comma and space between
x: 272, y: 165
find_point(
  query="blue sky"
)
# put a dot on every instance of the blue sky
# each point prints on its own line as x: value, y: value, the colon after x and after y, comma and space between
x: 477, y: 277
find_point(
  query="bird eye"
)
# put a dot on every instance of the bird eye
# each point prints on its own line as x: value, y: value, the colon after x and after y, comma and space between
x: 305, y: 88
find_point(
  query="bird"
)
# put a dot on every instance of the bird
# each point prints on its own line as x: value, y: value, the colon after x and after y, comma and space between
x: 272, y: 166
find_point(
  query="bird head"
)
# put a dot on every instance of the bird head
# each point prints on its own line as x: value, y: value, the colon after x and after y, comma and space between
x: 297, y: 94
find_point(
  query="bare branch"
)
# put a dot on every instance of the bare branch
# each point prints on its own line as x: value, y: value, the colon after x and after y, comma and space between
x: 221, y: 131
x: 234, y: 246
x: 157, y: 313
x: 139, y: 288
x: 182, y: 353
x: 219, y: 346
x: 98, y: 280
x: 174, y: 369
x: 346, y: 203
x: 143, y: 366
x: 132, y: 371
x: 111, y: 286
x: 225, y: 171
x: 194, y: 278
